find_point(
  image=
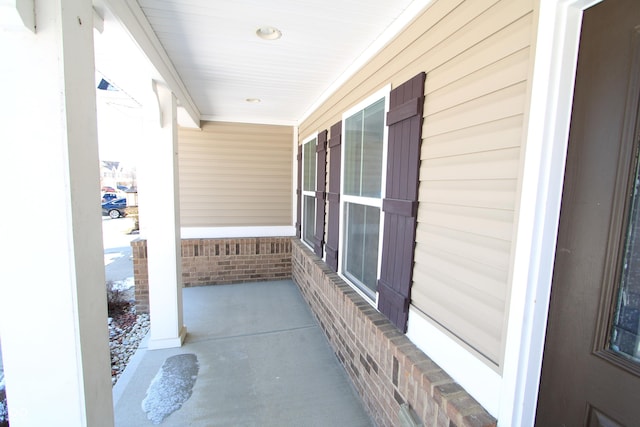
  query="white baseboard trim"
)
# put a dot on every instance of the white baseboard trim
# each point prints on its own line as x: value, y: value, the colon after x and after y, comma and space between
x: 478, y: 379
x: 158, y: 344
x: 235, y: 232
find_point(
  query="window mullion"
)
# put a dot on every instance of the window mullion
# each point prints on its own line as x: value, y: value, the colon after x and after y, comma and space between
x: 362, y: 154
x: 367, y: 201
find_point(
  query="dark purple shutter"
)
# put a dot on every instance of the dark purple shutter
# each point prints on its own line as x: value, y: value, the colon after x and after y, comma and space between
x: 333, y: 196
x: 299, y: 194
x: 321, y: 185
x: 401, y: 202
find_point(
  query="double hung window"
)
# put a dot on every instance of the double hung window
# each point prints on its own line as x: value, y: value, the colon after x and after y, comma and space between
x: 309, y: 189
x: 363, y: 166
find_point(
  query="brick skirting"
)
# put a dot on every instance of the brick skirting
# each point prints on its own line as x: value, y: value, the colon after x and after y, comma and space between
x: 386, y: 368
x: 140, y: 275
x: 217, y: 262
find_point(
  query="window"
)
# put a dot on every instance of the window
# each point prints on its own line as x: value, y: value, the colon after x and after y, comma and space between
x: 363, y: 158
x: 309, y: 190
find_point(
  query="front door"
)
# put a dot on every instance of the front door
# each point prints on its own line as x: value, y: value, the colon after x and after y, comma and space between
x: 591, y: 364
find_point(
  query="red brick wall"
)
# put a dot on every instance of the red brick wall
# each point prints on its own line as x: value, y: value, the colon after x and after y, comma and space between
x: 140, y: 275
x: 223, y: 261
x: 386, y: 368
x: 219, y: 261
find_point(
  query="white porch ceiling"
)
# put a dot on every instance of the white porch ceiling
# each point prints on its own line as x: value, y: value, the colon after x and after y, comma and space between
x: 212, y: 44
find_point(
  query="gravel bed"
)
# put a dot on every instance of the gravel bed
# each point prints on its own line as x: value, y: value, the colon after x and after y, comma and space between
x: 125, y: 333
x: 4, y: 412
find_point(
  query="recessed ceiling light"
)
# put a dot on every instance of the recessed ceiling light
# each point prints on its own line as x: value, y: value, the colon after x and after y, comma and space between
x: 268, y: 33
x: 253, y: 100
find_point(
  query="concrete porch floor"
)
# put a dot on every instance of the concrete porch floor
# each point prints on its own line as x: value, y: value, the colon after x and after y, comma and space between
x: 263, y: 361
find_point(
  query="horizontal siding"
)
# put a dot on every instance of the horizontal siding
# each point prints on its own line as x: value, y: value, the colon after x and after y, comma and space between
x: 497, y: 105
x: 479, y: 248
x: 477, y: 58
x: 488, y: 194
x: 494, y: 135
x: 487, y: 165
x: 491, y: 79
x: 235, y: 174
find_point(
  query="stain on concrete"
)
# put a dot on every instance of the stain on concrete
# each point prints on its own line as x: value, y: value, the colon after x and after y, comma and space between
x: 171, y: 387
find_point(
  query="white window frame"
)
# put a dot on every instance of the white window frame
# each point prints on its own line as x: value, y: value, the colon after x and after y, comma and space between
x: 367, y: 201
x: 304, y: 192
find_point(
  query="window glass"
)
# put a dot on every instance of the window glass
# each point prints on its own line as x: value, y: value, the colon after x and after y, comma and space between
x: 362, y: 186
x: 362, y: 225
x: 309, y: 167
x: 625, y: 333
x: 309, y: 220
x: 309, y: 191
x: 364, y: 132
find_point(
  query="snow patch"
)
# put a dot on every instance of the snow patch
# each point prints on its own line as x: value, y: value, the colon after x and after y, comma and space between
x: 171, y: 387
x: 109, y: 258
x: 123, y: 285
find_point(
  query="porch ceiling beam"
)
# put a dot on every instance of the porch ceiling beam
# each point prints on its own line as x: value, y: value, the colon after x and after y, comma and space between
x: 98, y: 21
x: 26, y: 11
x: 130, y: 16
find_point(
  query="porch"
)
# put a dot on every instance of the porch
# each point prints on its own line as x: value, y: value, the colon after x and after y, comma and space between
x: 262, y: 360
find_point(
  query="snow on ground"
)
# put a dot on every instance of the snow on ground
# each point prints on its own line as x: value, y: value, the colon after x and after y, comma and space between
x: 123, y: 285
x: 110, y: 257
x: 171, y: 387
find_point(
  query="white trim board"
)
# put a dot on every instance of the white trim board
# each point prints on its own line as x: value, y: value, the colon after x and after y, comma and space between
x: 254, y: 121
x: 237, y: 232
x: 294, y: 179
x: 542, y: 174
x: 478, y: 379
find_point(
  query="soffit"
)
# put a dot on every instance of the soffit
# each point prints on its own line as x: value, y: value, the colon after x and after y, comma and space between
x: 221, y: 61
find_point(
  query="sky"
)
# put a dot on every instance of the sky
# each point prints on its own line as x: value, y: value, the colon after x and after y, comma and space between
x: 119, y: 126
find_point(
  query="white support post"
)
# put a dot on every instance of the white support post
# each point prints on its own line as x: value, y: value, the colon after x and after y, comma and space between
x: 53, y: 315
x: 159, y: 208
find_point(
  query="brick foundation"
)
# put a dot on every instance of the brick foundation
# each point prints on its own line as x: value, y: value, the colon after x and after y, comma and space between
x: 219, y: 261
x: 386, y: 368
x: 140, y: 275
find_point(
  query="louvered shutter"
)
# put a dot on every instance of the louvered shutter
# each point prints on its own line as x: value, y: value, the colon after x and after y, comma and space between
x: 333, y: 196
x: 400, y: 204
x: 299, y: 194
x: 321, y: 184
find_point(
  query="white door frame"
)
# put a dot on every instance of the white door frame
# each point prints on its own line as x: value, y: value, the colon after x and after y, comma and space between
x: 543, y: 163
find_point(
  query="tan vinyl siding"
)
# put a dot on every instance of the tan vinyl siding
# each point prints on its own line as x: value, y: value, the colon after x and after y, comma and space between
x: 477, y: 58
x: 234, y: 174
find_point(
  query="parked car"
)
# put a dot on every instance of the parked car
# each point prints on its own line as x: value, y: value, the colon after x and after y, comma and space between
x: 115, y: 208
x: 107, y: 197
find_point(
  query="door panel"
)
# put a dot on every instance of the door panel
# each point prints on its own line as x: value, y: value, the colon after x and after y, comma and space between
x: 584, y: 382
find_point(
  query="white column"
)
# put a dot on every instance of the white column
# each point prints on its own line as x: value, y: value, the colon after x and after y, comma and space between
x: 159, y: 209
x: 52, y: 288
